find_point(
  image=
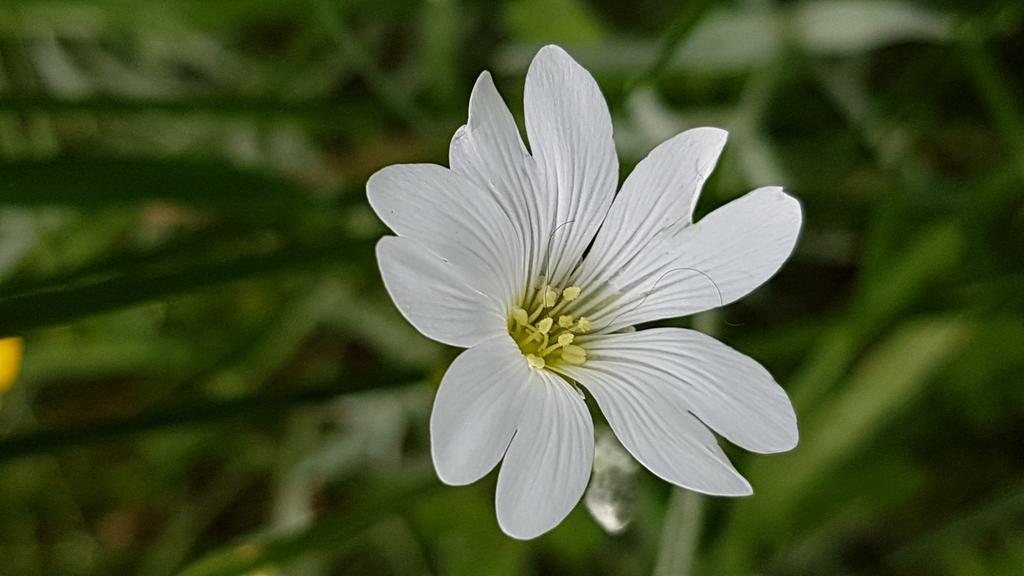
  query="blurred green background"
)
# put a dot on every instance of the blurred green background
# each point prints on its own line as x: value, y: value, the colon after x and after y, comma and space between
x: 215, y: 382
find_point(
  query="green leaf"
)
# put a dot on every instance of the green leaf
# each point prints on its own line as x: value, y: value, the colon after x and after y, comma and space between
x: 92, y: 183
x: 884, y: 383
x: 894, y: 280
x: 891, y: 283
x: 846, y: 27
x: 70, y: 299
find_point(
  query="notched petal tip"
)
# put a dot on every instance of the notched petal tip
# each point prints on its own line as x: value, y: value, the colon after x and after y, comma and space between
x: 460, y: 135
x: 549, y: 461
x: 383, y: 246
x: 476, y: 411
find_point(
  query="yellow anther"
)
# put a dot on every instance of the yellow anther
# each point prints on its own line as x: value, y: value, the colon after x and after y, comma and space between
x: 544, y: 326
x: 550, y: 296
x: 571, y: 293
x: 520, y: 316
x: 542, y: 332
x: 574, y: 354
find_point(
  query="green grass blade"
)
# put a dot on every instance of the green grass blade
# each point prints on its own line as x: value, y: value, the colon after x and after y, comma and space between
x: 91, y: 183
x: 882, y: 385
x: 264, y: 405
x: 75, y: 298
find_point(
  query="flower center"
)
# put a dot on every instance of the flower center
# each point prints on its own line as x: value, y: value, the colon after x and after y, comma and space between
x: 547, y: 333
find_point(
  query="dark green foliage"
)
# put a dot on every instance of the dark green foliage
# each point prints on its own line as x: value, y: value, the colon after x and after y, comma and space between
x: 216, y: 383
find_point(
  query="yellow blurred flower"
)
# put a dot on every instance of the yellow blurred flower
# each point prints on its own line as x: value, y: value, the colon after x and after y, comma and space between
x: 10, y: 362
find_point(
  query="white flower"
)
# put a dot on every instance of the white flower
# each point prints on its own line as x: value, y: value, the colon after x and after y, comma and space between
x: 530, y: 260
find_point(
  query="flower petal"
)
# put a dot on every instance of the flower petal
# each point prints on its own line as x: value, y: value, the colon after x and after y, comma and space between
x: 434, y: 297
x: 656, y: 200
x: 548, y: 463
x: 489, y: 151
x: 453, y: 219
x: 727, y: 390
x: 653, y: 389
x: 570, y: 133
x: 714, y: 262
x: 477, y: 409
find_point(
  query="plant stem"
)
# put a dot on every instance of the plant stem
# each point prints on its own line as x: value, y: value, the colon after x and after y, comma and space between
x: 679, y: 537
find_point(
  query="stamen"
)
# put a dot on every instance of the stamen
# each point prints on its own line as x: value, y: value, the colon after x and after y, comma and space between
x: 571, y: 293
x: 547, y: 298
x: 550, y: 297
x: 520, y: 316
x: 573, y: 354
x: 538, y: 334
x: 544, y: 326
x: 564, y: 339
